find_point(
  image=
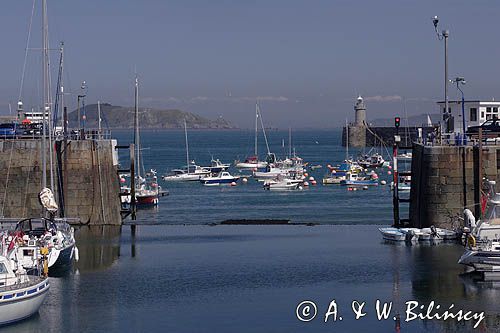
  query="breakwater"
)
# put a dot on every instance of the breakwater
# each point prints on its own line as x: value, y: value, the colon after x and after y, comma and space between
x: 85, y: 173
x: 439, y: 187
x: 364, y: 136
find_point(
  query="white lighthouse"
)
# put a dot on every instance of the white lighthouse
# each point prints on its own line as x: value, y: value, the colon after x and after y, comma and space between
x: 360, y: 112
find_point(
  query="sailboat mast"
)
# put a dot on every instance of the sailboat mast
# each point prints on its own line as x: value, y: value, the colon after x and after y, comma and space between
x: 136, y: 127
x: 187, y: 146
x: 346, y: 141
x: 263, y: 130
x: 256, y: 129
x: 46, y: 92
x: 290, y: 142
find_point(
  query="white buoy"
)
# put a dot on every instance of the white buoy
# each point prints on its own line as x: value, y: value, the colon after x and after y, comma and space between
x: 389, y: 173
x: 313, y: 182
x: 306, y: 184
x: 244, y: 180
x: 365, y: 187
x: 383, y: 182
x: 300, y: 188
x: 311, y: 178
x: 233, y: 184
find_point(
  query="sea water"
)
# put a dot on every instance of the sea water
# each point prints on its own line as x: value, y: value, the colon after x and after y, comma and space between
x: 178, y: 274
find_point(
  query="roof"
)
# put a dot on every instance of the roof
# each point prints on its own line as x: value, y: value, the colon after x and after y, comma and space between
x: 470, y: 101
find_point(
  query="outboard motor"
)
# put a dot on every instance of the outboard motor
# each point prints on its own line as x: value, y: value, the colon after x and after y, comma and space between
x: 434, y: 231
x: 409, y: 235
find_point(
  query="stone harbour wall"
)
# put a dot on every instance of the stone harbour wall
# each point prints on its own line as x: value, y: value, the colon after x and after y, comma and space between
x: 88, y: 178
x: 437, y: 190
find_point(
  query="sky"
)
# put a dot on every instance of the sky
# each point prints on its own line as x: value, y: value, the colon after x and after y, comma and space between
x: 305, y: 61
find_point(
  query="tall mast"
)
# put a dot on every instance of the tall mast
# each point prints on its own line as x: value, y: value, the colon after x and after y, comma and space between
x: 136, y: 127
x: 187, y: 146
x: 46, y: 92
x: 61, y: 83
x: 346, y: 140
x: 263, y: 130
x: 290, y: 142
x: 256, y: 124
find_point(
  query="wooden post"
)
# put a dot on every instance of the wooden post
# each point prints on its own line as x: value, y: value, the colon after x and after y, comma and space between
x: 132, y: 182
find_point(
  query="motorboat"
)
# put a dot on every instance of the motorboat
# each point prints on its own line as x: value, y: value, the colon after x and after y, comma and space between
x: 374, y: 161
x: 148, y: 191
x: 217, y: 166
x: 482, y: 256
x: 405, y: 156
x: 394, y: 234
x: 251, y: 162
x: 354, y: 179
x: 184, y: 175
x: 222, y: 178
x: 21, y: 295
x: 283, y: 184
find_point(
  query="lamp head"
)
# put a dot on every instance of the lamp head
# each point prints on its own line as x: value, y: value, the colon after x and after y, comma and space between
x: 435, y: 21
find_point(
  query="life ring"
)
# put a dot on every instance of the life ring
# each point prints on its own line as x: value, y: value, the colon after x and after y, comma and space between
x: 471, y: 240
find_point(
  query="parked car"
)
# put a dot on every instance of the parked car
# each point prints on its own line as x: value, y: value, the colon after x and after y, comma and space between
x: 8, y: 130
x: 489, y: 127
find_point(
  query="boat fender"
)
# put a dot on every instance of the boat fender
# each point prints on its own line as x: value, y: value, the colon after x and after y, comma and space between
x: 77, y: 254
x: 470, y: 220
x: 471, y: 241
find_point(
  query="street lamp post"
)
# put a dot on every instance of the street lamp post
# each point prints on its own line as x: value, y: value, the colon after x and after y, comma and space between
x: 444, y: 36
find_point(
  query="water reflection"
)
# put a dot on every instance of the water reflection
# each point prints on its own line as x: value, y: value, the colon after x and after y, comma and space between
x: 99, y: 247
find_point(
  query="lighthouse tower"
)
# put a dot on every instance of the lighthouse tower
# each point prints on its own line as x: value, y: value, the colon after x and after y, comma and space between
x: 360, y: 109
x: 355, y: 133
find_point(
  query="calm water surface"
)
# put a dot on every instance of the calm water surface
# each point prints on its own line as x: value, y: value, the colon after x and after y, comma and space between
x: 180, y: 275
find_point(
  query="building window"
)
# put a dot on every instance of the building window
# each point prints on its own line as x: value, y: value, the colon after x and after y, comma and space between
x: 495, y: 110
x: 482, y: 114
x: 473, y: 114
x: 495, y: 116
x: 488, y: 109
x: 488, y: 116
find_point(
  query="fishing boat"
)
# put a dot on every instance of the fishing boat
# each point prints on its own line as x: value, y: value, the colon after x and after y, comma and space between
x: 354, y: 179
x: 371, y: 162
x: 335, y: 177
x: 222, y: 178
x: 282, y: 184
x: 252, y: 162
x: 21, y: 295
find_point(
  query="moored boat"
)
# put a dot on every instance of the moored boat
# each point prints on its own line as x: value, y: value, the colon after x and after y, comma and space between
x: 21, y: 295
x: 222, y: 178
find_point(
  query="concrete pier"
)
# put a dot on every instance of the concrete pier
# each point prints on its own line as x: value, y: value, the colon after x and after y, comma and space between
x: 437, y: 187
x: 87, y: 177
x: 361, y: 136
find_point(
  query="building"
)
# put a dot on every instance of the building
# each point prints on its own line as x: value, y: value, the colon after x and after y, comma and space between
x: 476, y: 113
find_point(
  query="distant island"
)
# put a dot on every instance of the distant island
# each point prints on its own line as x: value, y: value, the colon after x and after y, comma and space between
x: 123, y: 117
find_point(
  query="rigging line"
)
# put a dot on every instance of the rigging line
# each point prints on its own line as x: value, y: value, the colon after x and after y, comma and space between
x: 27, y: 184
x: 263, y: 129
x: 7, y: 178
x: 26, y: 51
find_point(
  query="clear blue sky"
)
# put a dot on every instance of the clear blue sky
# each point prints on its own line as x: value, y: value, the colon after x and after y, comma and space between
x: 305, y: 60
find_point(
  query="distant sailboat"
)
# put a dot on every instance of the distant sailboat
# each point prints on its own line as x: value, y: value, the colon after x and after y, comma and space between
x: 253, y: 162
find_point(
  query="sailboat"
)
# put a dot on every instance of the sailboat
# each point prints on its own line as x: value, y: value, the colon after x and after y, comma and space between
x: 191, y: 172
x: 340, y: 172
x: 147, y: 189
x: 252, y: 162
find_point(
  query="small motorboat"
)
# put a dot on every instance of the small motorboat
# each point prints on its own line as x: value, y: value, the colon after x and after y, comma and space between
x: 314, y: 167
x: 184, y: 175
x: 354, y: 179
x: 483, y: 256
x: 283, y: 184
x: 395, y: 234
x: 222, y: 178
x: 21, y: 295
x: 217, y: 166
x: 251, y: 162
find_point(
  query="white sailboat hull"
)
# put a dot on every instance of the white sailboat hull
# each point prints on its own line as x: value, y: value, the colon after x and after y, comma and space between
x: 22, y: 302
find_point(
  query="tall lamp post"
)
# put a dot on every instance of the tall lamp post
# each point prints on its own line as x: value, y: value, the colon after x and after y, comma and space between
x: 443, y: 35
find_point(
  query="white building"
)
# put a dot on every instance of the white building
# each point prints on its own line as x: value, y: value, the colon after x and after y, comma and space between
x: 476, y: 113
